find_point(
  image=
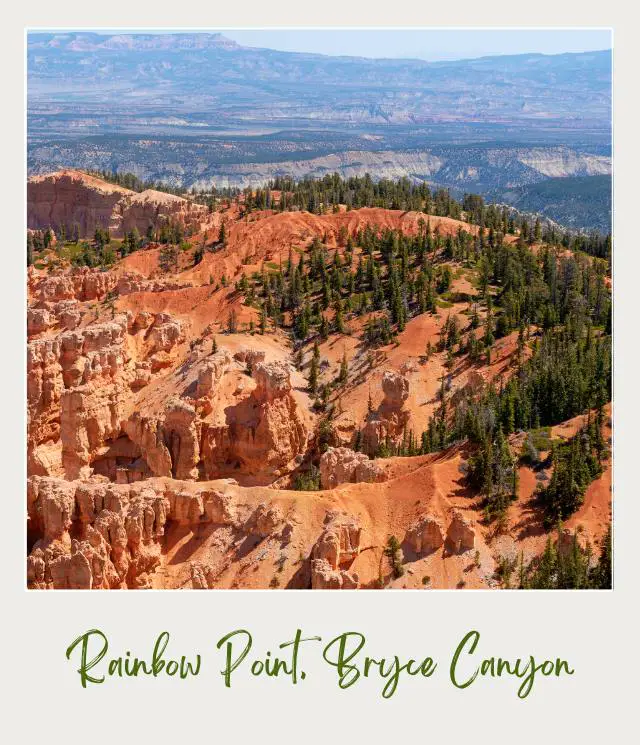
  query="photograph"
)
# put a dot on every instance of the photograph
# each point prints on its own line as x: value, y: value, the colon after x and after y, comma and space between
x: 318, y: 309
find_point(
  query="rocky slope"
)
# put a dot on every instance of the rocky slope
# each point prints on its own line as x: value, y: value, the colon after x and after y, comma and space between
x: 164, y: 448
x: 68, y: 198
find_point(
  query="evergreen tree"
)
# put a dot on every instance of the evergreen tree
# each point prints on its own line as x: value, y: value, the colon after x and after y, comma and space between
x: 232, y: 322
x: 313, y: 376
x: 344, y: 369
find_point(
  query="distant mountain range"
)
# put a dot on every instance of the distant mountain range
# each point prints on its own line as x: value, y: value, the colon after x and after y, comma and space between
x: 207, y: 74
x: 199, y: 109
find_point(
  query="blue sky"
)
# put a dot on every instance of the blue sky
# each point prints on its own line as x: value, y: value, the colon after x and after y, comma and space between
x: 427, y: 44
x: 431, y: 45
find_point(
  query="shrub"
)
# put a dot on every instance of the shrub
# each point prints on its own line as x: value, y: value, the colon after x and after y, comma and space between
x: 307, y: 480
x: 394, y: 553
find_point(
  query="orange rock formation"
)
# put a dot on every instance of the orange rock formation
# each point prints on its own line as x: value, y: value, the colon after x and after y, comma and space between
x: 155, y: 461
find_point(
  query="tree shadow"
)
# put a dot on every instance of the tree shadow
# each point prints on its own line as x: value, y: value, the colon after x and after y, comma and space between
x: 530, y: 525
x: 301, y: 579
x: 248, y: 544
x: 198, y: 536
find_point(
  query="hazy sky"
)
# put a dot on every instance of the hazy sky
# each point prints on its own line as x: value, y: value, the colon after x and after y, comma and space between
x: 426, y: 44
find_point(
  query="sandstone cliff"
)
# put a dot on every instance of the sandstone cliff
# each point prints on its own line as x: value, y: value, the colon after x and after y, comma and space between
x: 71, y: 198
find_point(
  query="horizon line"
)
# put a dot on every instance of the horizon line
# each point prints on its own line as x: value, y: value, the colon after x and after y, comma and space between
x: 107, y: 32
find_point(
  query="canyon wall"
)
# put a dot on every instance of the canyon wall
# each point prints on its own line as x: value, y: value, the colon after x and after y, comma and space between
x: 71, y: 198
